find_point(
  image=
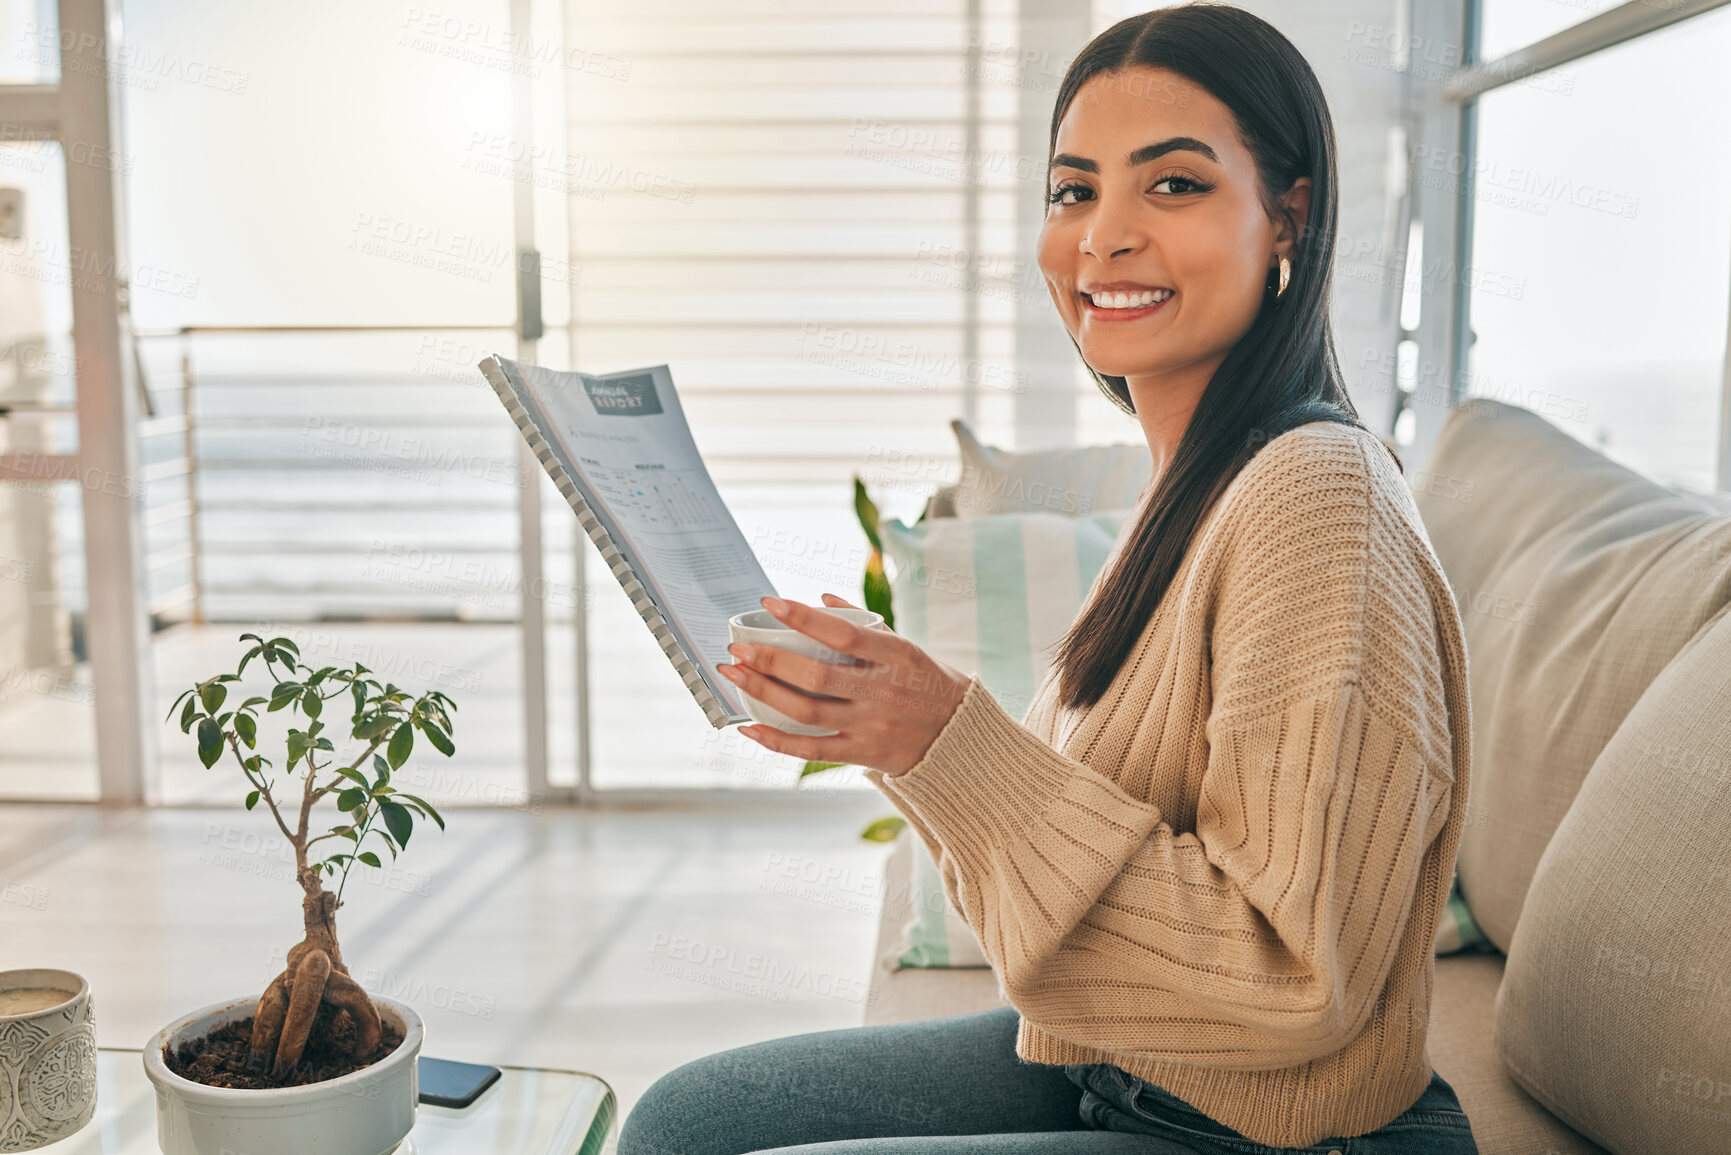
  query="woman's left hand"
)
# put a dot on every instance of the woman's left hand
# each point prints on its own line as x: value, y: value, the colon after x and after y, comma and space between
x: 889, y: 709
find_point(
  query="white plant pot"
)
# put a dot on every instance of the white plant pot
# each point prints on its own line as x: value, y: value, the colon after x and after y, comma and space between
x: 366, y: 1112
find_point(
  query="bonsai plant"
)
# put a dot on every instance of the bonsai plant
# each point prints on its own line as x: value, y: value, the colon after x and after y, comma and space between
x: 313, y: 1023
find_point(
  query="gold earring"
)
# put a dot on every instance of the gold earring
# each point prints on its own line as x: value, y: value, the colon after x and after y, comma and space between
x: 1285, y: 275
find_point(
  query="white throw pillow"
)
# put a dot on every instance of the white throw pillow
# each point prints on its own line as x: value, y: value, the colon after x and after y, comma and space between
x: 1070, y: 482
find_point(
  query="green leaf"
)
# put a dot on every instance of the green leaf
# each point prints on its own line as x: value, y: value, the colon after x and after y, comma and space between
x: 354, y: 798
x: 374, y: 727
x: 876, y: 587
x: 252, y: 800
x: 369, y: 858
x: 282, y: 694
x: 251, y: 702
x: 818, y: 768
x: 353, y: 775
x: 867, y: 512
x: 187, y: 715
x: 381, y: 768
x: 209, y: 742
x: 441, y: 742
x: 250, y: 654
x: 425, y: 806
x: 401, y: 743
x: 398, y: 821
x: 311, y: 702
x: 211, y: 694
x: 286, y: 644
x: 884, y: 829
x: 247, y: 729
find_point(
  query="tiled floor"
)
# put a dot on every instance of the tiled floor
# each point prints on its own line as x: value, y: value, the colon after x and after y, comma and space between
x: 614, y: 942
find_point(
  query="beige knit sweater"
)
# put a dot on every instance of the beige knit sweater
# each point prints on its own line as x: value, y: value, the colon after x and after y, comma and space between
x: 1225, y: 877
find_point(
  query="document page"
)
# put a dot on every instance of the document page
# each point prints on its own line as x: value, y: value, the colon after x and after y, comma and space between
x: 624, y: 440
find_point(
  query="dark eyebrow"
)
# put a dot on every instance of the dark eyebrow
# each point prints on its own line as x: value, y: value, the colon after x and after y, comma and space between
x: 1142, y: 155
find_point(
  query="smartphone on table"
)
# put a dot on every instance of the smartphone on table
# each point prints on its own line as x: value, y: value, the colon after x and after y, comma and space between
x: 445, y: 1083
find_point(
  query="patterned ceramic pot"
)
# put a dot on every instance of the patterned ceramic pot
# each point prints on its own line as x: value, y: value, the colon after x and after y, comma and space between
x: 47, y: 1062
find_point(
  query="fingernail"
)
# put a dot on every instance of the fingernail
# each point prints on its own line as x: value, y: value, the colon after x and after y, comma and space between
x: 731, y: 673
x: 742, y: 651
x: 775, y: 606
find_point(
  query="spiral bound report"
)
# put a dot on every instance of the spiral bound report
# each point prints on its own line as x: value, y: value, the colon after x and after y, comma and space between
x: 618, y: 448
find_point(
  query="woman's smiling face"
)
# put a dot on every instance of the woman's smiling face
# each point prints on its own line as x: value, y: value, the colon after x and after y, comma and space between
x: 1156, y: 246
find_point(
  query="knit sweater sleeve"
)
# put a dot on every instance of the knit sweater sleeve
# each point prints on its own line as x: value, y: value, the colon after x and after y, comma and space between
x: 1264, y: 937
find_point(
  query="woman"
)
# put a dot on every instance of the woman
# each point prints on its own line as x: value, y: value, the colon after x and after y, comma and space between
x: 1207, y: 865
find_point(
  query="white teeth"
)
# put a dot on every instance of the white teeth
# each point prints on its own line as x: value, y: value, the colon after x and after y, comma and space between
x: 1129, y: 300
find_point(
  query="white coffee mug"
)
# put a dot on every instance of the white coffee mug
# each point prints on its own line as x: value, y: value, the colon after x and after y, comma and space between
x: 47, y: 1058
x: 762, y: 628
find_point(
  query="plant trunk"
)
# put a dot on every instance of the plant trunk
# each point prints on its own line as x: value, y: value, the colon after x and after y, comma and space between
x: 315, y: 974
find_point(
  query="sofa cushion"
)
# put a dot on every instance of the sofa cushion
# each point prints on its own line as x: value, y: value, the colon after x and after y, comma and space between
x: 1069, y: 482
x: 1616, y: 1008
x: 1505, y: 1119
x: 1578, y: 580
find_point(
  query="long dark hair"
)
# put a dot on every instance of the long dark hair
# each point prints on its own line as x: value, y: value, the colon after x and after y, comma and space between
x: 1282, y: 373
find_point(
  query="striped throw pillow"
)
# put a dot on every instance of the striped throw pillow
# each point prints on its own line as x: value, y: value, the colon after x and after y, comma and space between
x: 935, y: 935
x: 992, y: 595
x: 1456, y: 931
x: 989, y: 596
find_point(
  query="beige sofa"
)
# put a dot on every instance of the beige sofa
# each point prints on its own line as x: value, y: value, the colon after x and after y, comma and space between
x: 1579, y: 582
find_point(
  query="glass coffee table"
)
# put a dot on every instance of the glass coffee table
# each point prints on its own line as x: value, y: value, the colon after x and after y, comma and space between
x: 528, y: 1111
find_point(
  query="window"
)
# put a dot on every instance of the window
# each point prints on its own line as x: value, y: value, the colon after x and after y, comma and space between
x: 1601, y: 248
x: 808, y: 212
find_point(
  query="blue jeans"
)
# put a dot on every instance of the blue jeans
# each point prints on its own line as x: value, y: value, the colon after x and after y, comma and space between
x: 955, y: 1086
